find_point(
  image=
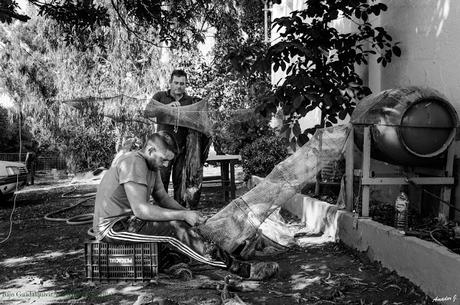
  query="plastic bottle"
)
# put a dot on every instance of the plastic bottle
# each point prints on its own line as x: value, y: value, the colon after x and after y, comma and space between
x: 402, y: 212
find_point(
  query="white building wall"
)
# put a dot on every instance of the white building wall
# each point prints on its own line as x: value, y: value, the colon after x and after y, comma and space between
x: 429, y: 32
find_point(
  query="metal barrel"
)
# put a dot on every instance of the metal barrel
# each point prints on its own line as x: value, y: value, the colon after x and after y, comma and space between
x: 410, y: 126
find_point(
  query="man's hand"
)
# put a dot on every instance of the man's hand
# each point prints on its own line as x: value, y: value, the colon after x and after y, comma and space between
x: 174, y: 104
x: 193, y: 218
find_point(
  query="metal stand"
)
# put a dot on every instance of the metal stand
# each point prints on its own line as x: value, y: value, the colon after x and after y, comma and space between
x: 366, y: 180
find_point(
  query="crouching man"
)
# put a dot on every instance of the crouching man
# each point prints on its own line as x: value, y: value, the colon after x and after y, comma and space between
x: 123, y: 211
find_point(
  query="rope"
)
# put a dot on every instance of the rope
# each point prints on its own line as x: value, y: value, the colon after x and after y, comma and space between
x: 176, y: 125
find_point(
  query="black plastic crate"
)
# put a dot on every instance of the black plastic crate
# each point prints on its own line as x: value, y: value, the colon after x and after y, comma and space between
x: 114, y: 262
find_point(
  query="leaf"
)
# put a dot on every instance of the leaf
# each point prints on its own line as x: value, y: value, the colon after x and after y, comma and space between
x: 287, y: 109
x: 396, y: 51
x: 302, y: 139
x: 285, y: 128
x: 328, y: 100
x: 293, y: 144
x: 358, y: 14
x: 298, y: 101
x: 296, y: 129
x: 343, y: 114
x: 283, y: 66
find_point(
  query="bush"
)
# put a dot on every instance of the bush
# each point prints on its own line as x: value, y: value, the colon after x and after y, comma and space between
x: 261, y: 156
x: 236, y: 131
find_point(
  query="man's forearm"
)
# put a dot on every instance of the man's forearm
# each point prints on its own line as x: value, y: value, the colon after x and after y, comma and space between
x: 163, y: 200
x: 157, y: 213
x: 170, y: 203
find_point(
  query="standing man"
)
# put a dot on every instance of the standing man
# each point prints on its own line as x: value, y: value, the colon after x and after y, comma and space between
x: 30, y: 165
x: 175, y: 96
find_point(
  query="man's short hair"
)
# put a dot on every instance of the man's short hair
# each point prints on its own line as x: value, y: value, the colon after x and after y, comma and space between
x: 178, y: 73
x: 166, y: 139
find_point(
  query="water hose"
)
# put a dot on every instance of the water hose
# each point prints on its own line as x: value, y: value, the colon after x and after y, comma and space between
x: 75, y: 220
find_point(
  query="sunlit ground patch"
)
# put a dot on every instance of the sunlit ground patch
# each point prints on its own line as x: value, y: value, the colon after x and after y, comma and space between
x: 37, y: 258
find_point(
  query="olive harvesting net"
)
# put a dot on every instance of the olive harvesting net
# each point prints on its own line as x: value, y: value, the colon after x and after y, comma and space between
x: 236, y: 225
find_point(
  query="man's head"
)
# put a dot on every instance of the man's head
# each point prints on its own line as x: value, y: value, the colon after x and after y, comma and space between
x: 159, y: 149
x: 178, y: 82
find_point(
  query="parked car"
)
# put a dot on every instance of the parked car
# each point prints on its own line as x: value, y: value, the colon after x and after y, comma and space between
x: 13, y: 176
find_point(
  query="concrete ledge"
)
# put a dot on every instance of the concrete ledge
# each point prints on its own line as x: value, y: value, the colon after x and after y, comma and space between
x: 432, y: 267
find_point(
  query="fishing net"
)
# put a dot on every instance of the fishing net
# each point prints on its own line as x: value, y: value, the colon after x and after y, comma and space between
x: 122, y: 107
x: 195, y: 117
x: 235, y: 227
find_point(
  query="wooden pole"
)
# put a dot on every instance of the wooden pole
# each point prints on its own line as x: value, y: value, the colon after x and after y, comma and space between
x: 366, y: 172
x: 349, y: 168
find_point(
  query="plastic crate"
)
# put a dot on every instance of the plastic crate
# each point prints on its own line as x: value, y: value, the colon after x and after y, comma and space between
x: 115, y: 262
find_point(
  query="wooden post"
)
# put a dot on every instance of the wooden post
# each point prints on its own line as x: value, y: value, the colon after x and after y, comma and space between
x: 224, y: 165
x: 232, y: 180
x: 319, y: 163
x: 446, y: 190
x: 366, y: 172
x: 349, y: 168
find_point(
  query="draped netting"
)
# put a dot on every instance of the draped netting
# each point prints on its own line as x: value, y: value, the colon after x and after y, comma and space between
x: 123, y: 107
x: 235, y: 226
x: 195, y: 117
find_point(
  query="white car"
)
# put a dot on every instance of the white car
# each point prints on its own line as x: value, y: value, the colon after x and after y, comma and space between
x: 13, y: 175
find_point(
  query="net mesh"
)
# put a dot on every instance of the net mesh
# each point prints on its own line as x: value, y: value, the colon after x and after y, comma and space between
x: 236, y: 225
x: 193, y: 116
x: 122, y: 108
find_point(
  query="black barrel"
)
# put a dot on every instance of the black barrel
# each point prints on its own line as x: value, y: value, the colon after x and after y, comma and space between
x: 409, y: 126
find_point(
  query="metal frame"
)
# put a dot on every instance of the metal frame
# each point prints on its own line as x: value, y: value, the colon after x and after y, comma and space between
x: 366, y: 181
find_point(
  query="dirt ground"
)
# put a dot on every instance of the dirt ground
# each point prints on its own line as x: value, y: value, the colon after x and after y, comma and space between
x: 43, y: 263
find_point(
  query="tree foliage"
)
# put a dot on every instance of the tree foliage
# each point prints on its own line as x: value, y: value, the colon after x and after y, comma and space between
x: 41, y: 69
x: 232, y: 97
x: 9, y: 134
x: 9, y: 12
x: 177, y: 23
x: 320, y: 61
